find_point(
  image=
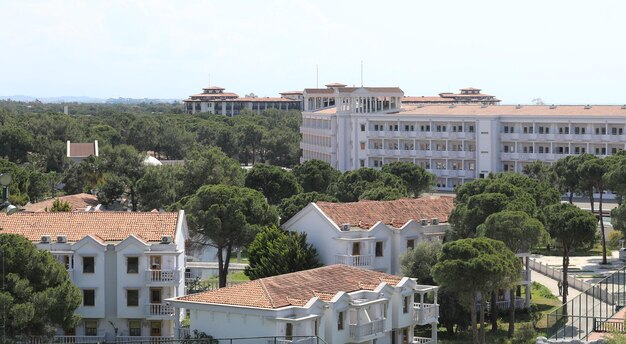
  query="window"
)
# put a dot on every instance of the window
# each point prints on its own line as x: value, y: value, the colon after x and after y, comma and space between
x: 288, y: 331
x: 91, y: 327
x: 155, y: 328
x: 89, y: 297
x: 410, y: 244
x: 340, y: 321
x: 89, y: 265
x: 405, y: 304
x: 471, y: 129
x: 362, y: 144
x: 155, y: 295
x: 379, y: 249
x: 362, y: 127
x: 155, y: 262
x: 132, y: 297
x: 132, y: 265
x: 362, y: 163
x: 134, y: 328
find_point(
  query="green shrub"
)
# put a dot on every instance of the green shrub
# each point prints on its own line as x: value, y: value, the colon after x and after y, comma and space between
x: 614, y: 238
x: 525, y: 334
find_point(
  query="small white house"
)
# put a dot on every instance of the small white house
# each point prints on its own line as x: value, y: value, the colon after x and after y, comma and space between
x: 337, y: 303
x: 126, y: 264
x: 372, y: 234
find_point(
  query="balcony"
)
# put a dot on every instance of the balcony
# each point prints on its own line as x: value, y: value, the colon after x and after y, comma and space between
x: 78, y: 339
x: 362, y: 331
x: 162, y: 276
x: 159, y: 310
x: 144, y: 339
x: 355, y: 260
x: 294, y: 340
x: 424, y: 340
x: 425, y: 313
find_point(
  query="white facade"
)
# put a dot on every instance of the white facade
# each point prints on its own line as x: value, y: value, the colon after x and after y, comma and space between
x: 457, y: 143
x: 124, y: 284
x: 362, y: 316
x: 377, y: 248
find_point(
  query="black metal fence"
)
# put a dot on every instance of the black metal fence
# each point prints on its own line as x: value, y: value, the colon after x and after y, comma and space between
x: 590, y: 311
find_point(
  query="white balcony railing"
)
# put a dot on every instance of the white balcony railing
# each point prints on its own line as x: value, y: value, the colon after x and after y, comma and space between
x: 367, y: 329
x: 143, y: 339
x: 308, y: 340
x: 162, y: 276
x: 423, y: 340
x: 78, y: 339
x: 425, y: 313
x: 354, y: 260
x: 159, y: 309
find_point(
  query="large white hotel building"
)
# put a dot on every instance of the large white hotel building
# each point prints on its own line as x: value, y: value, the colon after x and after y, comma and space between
x: 353, y: 127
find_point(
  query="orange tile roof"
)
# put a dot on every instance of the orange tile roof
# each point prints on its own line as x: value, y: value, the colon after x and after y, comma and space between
x: 78, y: 202
x: 109, y: 226
x: 295, y: 289
x: 215, y: 95
x: 319, y: 90
x: 513, y: 110
x: 291, y: 92
x: 426, y: 99
x: 81, y: 150
x: 364, y: 214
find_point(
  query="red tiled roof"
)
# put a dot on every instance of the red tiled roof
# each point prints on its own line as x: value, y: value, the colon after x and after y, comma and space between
x: 291, y: 92
x: 213, y: 88
x: 364, y: 214
x: 319, y: 90
x: 295, y: 289
x: 109, y: 226
x: 424, y: 99
x: 78, y: 202
x: 214, y: 95
x: 81, y: 150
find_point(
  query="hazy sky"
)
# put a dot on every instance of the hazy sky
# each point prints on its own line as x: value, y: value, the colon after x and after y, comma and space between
x: 562, y: 51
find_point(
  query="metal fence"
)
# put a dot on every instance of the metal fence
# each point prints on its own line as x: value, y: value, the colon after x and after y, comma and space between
x: 591, y: 310
x: 557, y: 274
x: 161, y: 340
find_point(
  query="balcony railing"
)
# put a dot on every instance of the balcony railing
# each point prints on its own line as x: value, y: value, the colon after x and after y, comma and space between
x: 425, y: 313
x: 162, y: 276
x: 307, y: 340
x: 78, y: 339
x: 144, y: 339
x: 354, y: 260
x: 423, y: 340
x: 159, y: 309
x: 368, y: 329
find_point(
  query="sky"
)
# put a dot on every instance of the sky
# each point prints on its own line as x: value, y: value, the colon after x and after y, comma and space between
x: 565, y: 52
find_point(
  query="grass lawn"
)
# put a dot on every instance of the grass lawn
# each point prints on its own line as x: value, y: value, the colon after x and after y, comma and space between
x: 544, y: 302
x: 596, y: 250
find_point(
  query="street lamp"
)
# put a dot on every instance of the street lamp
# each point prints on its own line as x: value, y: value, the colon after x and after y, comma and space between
x: 5, y: 180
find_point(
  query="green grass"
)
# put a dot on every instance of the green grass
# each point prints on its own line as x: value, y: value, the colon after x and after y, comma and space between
x: 596, y: 250
x: 238, y: 276
x: 544, y: 302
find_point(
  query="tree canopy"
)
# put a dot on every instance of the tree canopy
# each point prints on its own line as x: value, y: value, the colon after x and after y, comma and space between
x: 37, y: 292
x: 416, y: 179
x: 418, y: 262
x: 275, y: 252
x: 353, y: 184
x: 227, y: 217
x: 292, y: 205
x: 315, y: 175
x: 274, y: 182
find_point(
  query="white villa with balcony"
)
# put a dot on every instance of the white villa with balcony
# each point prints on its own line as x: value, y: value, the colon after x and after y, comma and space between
x: 370, y: 126
x: 126, y: 264
x: 337, y: 303
x: 372, y: 234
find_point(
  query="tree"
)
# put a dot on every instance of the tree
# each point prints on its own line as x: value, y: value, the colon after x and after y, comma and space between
x: 540, y: 171
x: 593, y: 171
x: 572, y: 227
x: 227, y: 217
x: 416, y: 179
x: 275, y: 252
x: 15, y: 143
x: 210, y: 166
x: 618, y: 218
x: 519, y: 232
x: 110, y: 189
x: 382, y: 193
x: 292, y: 205
x: 616, y: 175
x: 352, y: 184
x: 418, y: 262
x: 250, y: 136
x: 476, y: 265
x: 127, y: 163
x: 566, y: 170
x: 160, y: 187
x: 274, y: 182
x: 60, y: 206
x: 315, y: 175
x: 37, y: 294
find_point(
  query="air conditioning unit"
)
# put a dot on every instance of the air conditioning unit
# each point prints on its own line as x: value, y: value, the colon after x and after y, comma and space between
x: 46, y: 239
x: 62, y: 238
x: 166, y: 239
x: 424, y: 222
x: 434, y: 221
x: 345, y: 227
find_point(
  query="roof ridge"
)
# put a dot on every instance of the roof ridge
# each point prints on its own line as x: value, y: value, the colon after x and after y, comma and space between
x: 266, y: 292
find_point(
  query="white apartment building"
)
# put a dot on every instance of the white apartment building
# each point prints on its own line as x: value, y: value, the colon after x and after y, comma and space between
x: 126, y: 264
x: 372, y: 234
x: 214, y: 100
x: 337, y: 303
x: 368, y: 127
